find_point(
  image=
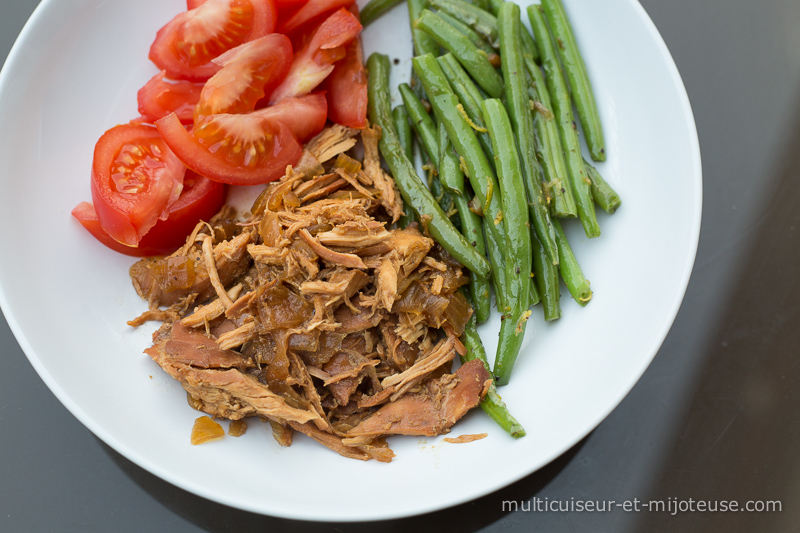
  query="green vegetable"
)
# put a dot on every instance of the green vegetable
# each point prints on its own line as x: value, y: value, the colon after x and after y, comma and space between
x: 473, y: 36
x: 474, y: 61
x: 480, y: 20
x: 403, y: 127
x: 570, y: 269
x: 374, y: 9
x: 547, y: 281
x: 422, y: 123
x: 577, y: 76
x: 411, y: 187
x: 562, y: 109
x: 605, y: 196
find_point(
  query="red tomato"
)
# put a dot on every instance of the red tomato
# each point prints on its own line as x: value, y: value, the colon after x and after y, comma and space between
x: 314, y: 61
x: 158, y: 98
x: 311, y: 10
x: 192, y: 4
x: 304, y: 116
x: 188, y: 43
x: 248, y: 73
x: 237, y: 149
x: 136, y: 179
x: 200, y: 200
x: 347, y: 89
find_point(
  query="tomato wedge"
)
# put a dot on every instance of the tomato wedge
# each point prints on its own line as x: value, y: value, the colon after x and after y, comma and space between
x: 314, y: 61
x: 135, y: 180
x: 304, y: 116
x: 249, y: 72
x: 309, y: 11
x: 347, y: 89
x: 188, y: 43
x: 200, y: 200
x: 236, y: 149
x: 158, y: 98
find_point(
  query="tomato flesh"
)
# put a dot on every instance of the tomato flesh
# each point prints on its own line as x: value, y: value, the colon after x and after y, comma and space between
x: 236, y: 149
x: 188, y: 43
x: 304, y: 116
x: 200, y: 199
x: 309, y: 11
x: 249, y: 72
x: 347, y: 89
x: 314, y: 61
x: 158, y: 98
x: 135, y: 180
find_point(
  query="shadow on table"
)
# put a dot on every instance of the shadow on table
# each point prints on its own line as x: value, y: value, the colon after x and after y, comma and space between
x: 218, y: 518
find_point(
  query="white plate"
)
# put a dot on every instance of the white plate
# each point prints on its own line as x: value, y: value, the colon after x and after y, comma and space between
x: 74, y: 73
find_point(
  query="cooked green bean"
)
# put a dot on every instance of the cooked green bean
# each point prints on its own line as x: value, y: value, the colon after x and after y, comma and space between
x: 528, y: 44
x: 480, y: 20
x: 495, y: 254
x: 578, y: 77
x: 495, y: 5
x: 411, y: 187
x: 605, y: 196
x: 422, y: 123
x: 452, y: 178
x: 548, y: 148
x: 562, y: 109
x: 374, y: 9
x: 570, y: 269
x: 473, y: 60
x: 521, y: 116
x: 469, y: 96
x: 423, y: 43
x: 518, y: 239
x: 473, y: 36
x: 491, y: 404
x: 402, y: 125
x: 547, y: 281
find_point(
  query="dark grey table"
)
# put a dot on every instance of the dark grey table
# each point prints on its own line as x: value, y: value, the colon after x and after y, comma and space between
x: 714, y: 417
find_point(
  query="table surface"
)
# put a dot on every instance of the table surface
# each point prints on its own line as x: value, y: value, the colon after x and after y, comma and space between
x: 712, y: 419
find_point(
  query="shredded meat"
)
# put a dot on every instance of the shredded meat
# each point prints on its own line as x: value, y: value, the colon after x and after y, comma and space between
x: 314, y: 313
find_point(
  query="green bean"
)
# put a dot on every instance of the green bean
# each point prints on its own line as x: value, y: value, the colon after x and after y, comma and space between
x: 374, y: 9
x: 495, y: 254
x: 570, y: 269
x: 577, y: 76
x: 409, y: 184
x: 521, y: 117
x: 491, y: 404
x: 547, y: 280
x: 528, y: 44
x: 473, y: 36
x: 423, y: 43
x: 562, y: 109
x: 480, y: 20
x: 422, y: 123
x: 482, y: 4
x: 605, y: 196
x: 473, y: 60
x: 518, y: 239
x: 469, y: 96
x: 495, y: 5
x: 549, y: 149
x: 452, y: 179
x: 402, y: 125
x: 476, y: 166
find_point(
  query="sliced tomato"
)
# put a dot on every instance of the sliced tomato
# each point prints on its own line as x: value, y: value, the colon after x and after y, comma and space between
x: 158, y: 98
x: 193, y: 4
x: 188, y: 43
x: 249, y: 72
x: 347, y: 89
x: 304, y: 116
x: 311, y: 10
x: 236, y: 149
x: 200, y: 200
x: 314, y: 61
x: 136, y: 179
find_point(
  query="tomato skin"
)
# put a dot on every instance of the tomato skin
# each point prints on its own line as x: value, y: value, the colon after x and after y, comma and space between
x: 304, y: 116
x: 347, y: 89
x: 314, y: 61
x: 135, y: 180
x: 284, y: 150
x: 249, y: 72
x: 164, y: 51
x: 200, y: 200
x: 311, y: 10
x: 159, y: 98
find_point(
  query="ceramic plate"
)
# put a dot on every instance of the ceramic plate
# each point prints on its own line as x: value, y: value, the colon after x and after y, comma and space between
x: 74, y: 73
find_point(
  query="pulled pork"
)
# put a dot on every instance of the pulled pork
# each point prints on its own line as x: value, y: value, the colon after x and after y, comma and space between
x: 313, y: 315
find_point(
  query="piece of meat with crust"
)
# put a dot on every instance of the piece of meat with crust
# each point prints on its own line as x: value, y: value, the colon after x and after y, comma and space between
x: 431, y: 410
x: 231, y: 258
x: 331, y: 441
x: 192, y: 347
